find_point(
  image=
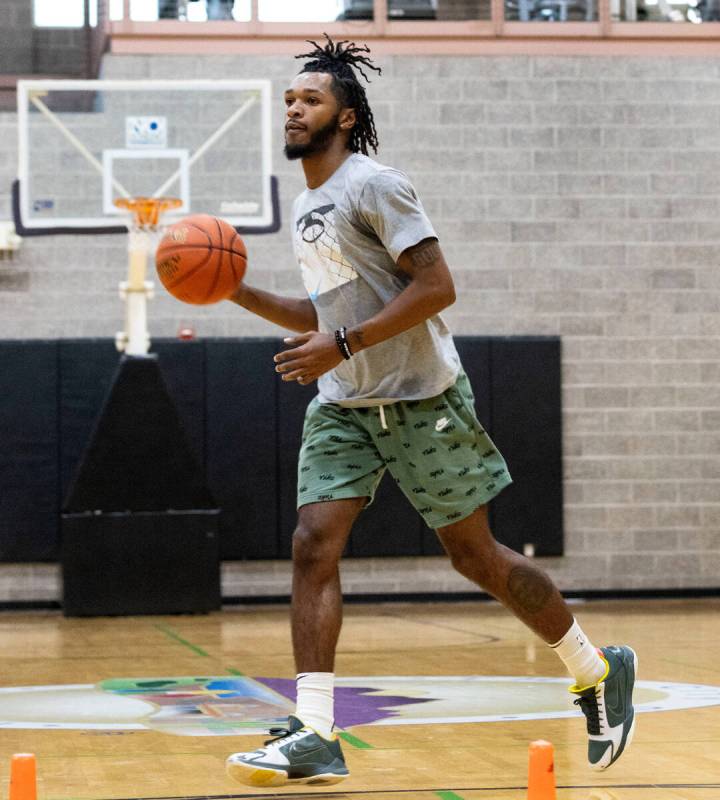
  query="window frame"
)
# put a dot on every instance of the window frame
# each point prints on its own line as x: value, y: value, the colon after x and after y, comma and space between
x: 487, y: 36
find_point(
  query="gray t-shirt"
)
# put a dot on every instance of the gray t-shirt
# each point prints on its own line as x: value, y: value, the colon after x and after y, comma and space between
x: 348, y: 234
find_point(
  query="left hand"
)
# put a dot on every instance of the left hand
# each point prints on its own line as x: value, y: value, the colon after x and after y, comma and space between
x: 312, y: 355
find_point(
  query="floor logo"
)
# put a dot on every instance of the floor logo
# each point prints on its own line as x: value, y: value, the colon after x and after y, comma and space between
x: 228, y: 706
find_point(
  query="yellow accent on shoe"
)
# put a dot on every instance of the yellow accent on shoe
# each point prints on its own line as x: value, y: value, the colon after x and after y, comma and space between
x: 575, y: 689
x: 333, y: 736
x: 266, y: 777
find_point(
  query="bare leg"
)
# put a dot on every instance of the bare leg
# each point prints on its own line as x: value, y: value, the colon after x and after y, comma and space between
x: 316, y: 617
x: 517, y: 582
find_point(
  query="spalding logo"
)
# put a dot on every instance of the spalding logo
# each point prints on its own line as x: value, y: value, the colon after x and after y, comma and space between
x: 168, y: 268
x: 177, y: 235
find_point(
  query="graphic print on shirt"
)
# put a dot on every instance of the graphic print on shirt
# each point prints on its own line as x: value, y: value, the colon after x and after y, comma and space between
x: 318, y: 250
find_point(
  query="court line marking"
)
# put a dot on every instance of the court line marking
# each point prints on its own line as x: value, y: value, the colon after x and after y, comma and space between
x: 176, y: 636
x: 354, y: 741
x: 366, y: 792
x: 488, y: 638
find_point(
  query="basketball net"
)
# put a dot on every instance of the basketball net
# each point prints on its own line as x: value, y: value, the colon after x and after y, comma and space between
x: 144, y: 231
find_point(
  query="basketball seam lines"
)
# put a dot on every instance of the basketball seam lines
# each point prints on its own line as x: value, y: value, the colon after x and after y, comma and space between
x: 218, y: 268
x: 232, y: 250
x: 201, y: 230
x: 211, y: 250
x: 174, y: 245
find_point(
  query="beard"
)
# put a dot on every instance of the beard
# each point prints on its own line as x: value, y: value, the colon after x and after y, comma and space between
x: 318, y: 143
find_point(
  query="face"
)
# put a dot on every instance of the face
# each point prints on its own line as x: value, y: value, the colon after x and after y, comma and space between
x: 313, y: 117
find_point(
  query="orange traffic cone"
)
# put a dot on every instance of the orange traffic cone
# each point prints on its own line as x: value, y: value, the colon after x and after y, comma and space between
x: 23, y: 778
x: 541, y: 772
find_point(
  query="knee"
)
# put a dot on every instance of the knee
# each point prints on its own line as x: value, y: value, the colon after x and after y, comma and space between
x: 464, y: 558
x: 470, y: 559
x: 314, y: 549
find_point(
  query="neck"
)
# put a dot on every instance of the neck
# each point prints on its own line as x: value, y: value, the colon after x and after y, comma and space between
x: 320, y: 166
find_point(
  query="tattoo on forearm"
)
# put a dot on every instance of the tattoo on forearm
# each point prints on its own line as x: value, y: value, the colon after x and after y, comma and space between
x: 425, y: 254
x: 530, y: 589
x: 358, y: 338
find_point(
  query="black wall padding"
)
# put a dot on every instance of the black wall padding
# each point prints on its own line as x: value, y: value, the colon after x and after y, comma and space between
x: 182, y: 365
x: 29, y: 492
x: 138, y: 458
x: 246, y: 424
x: 474, y: 355
x: 242, y: 453
x: 292, y: 401
x: 389, y: 527
x: 527, y: 428
x: 86, y: 369
x: 144, y: 563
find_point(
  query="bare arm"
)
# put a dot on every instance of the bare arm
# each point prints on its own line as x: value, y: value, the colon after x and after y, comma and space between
x: 293, y: 313
x: 430, y: 290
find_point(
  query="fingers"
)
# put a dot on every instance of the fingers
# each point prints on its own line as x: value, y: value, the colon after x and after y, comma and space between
x: 286, y: 358
x: 292, y: 364
x: 298, y: 375
x: 288, y: 355
x: 287, y: 365
x: 295, y: 370
x: 294, y: 374
x: 295, y: 352
x: 301, y: 338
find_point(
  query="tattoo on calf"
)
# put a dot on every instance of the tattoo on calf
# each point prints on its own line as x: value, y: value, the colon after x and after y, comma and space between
x: 425, y: 254
x: 529, y: 588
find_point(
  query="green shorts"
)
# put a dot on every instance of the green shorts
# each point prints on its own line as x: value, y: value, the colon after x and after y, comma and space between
x: 437, y: 451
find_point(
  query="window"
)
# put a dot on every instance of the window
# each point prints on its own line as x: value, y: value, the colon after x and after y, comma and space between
x: 695, y: 11
x: 551, y: 10
x: 190, y: 10
x: 292, y: 11
x: 52, y: 14
x: 432, y: 10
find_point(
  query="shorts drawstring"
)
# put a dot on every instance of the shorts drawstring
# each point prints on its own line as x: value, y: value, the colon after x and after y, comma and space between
x: 382, y: 418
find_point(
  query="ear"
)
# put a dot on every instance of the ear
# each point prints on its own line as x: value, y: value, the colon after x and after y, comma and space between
x: 347, y: 119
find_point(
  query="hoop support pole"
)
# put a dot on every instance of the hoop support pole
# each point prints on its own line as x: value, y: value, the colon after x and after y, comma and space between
x: 136, y: 291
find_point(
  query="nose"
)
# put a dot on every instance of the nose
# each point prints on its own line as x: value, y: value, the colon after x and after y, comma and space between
x: 293, y: 110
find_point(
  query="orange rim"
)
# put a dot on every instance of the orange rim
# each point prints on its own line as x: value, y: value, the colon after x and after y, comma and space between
x: 147, y: 210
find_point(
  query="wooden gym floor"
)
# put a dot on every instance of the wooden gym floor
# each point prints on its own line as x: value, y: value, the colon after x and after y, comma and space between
x: 676, y: 753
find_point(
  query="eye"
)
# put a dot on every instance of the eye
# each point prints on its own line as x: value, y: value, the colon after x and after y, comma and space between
x: 313, y: 101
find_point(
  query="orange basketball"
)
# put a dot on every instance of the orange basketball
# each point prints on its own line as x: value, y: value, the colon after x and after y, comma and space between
x: 201, y: 259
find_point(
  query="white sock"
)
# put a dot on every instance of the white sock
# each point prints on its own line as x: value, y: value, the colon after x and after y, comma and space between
x: 315, y: 701
x: 580, y: 657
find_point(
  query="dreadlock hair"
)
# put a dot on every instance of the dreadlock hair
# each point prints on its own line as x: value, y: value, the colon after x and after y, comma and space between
x: 341, y: 59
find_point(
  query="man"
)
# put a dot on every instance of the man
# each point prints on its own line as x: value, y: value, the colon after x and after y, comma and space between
x: 220, y: 9
x: 392, y: 394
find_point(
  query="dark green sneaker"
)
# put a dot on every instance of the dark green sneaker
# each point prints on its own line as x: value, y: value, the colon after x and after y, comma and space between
x: 608, y: 707
x: 296, y: 755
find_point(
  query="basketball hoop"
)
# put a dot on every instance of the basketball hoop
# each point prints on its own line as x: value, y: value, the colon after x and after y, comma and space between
x: 9, y: 240
x: 136, y: 291
x: 147, y: 211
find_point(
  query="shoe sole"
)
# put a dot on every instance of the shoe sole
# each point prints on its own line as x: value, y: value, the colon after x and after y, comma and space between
x: 629, y: 738
x: 631, y: 732
x: 261, y: 777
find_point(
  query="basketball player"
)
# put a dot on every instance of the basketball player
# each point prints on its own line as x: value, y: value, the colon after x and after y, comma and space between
x: 392, y: 394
